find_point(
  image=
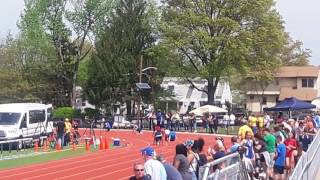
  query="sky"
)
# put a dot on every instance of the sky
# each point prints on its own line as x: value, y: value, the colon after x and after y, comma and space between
x: 301, y: 19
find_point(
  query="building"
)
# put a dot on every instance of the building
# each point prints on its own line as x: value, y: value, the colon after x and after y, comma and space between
x: 185, y: 96
x: 302, y: 82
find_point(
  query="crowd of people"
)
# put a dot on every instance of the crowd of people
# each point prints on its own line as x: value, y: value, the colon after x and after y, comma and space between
x: 269, y: 150
x: 66, y: 133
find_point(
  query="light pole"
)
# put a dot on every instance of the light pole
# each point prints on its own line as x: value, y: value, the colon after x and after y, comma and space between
x: 139, y: 94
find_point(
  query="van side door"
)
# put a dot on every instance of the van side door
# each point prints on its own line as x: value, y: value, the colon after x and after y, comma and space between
x: 36, y: 122
x: 23, y: 126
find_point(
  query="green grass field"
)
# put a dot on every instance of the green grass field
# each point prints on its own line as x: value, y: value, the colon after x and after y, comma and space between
x: 40, y: 157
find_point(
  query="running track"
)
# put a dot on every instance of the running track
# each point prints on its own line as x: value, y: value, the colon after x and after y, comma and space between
x: 108, y: 164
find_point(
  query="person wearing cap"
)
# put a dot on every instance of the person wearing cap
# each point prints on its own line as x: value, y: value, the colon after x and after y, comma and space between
x: 138, y: 170
x: 153, y: 167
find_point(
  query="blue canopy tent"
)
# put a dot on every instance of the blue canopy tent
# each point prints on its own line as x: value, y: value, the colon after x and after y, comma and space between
x: 291, y: 104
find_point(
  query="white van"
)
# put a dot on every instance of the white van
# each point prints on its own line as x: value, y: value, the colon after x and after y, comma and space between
x: 23, y: 120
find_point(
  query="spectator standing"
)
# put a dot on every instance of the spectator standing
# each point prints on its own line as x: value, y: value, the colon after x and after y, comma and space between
x: 316, y: 120
x: 242, y: 131
x: 168, y: 119
x: 253, y: 123
x: 215, y: 123
x: 235, y: 145
x: 210, y: 121
x: 270, y: 141
x: 261, y: 154
x: 260, y: 122
x: 186, y: 123
x: 193, y: 123
x: 232, y: 120
x: 76, y: 134
x: 280, y: 118
x: 267, y: 120
x: 193, y: 158
x: 153, y: 167
x: 68, y: 127
x: 292, y: 147
x: 280, y: 160
x: 205, y: 123
x: 60, y: 132
x: 172, y: 172
x: 138, y: 171
x: 202, y: 157
x: 217, y: 152
x: 248, y: 143
x: 299, y: 130
x: 181, y: 162
x: 160, y: 119
x: 226, y: 120
x: 305, y: 140
x: 176, y: 121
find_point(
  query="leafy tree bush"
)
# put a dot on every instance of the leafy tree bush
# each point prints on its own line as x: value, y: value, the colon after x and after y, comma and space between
x: 66, y: 112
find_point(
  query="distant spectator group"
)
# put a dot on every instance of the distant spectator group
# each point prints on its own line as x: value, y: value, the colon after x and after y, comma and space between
x: 269, y: 149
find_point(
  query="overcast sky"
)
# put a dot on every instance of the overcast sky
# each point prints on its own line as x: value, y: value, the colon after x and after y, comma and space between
x: 301, y: 21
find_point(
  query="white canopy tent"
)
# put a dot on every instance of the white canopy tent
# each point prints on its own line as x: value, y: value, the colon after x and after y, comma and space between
x: 208, y: 109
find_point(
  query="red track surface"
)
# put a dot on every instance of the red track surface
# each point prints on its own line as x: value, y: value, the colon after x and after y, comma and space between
x: 108, y: 164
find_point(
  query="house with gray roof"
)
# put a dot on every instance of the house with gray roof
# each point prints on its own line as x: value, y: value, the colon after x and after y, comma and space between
x: 185, y: 96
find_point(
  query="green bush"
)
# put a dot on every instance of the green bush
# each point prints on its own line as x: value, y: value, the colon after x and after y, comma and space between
x: 66, y: 112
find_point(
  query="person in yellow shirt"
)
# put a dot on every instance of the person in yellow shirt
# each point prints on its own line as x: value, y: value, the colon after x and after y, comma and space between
x: 68, y: 127
x: 243, y: 130
x: 253, y: 122
x: 260, y: 121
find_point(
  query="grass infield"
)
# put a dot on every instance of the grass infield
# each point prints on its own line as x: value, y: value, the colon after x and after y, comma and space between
x: 40, y: 157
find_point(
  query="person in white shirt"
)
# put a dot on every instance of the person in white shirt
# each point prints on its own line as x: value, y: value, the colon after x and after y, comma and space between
x: 226, y: 120
x: 267, y: 120
x: 153, y: 167
x: 232, y: 120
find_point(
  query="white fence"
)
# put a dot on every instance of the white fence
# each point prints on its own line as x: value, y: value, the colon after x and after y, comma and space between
x: 233, y: 169
x: 309, y: 163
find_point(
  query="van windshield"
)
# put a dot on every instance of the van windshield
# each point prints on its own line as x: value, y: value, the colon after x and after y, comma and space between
x: 8, y: 118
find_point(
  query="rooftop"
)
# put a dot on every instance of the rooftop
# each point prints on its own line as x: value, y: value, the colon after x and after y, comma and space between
x: 297, y: 71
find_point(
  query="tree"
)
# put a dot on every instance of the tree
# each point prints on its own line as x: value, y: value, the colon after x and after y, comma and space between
x: 215, y: 37
x: 14, y: 88
x: 114, y: 68
x: 55, y: 35
x: 293, y: 54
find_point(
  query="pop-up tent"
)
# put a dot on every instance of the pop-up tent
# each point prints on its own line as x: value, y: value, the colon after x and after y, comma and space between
x: 291, y: 104
x: 208, y: 109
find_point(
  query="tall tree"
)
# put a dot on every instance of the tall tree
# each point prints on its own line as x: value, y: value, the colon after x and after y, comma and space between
x: 293, y: 54
x: 215, y: 37
x: 55, y: 35
x: 114, y: 68
x: 14, y: 88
